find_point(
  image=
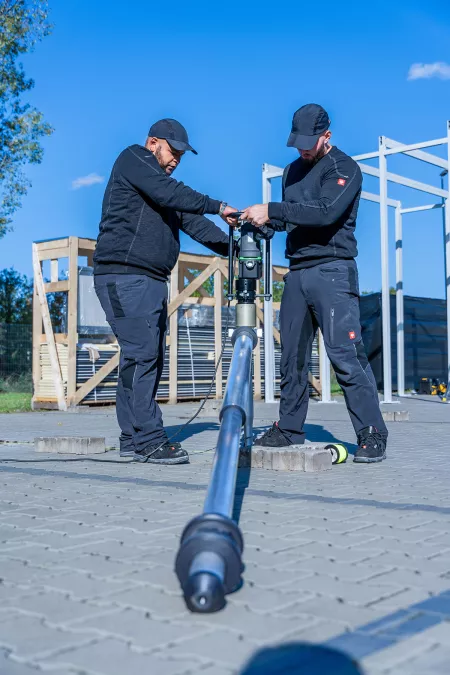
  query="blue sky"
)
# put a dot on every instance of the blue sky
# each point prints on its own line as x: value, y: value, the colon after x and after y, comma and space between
x: 233, y: 73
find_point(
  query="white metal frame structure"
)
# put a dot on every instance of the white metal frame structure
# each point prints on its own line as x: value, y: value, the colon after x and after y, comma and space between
x: 387, y: 147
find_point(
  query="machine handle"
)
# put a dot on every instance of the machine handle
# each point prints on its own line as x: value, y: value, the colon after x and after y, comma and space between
x: 231, y: 249
x: 267, y: 266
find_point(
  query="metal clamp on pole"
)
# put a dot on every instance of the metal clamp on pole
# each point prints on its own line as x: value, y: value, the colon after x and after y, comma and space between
x: 209, y: 564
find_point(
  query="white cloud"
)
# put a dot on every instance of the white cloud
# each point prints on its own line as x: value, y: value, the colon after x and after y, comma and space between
x: 87, y: 181
x: 421, y: 71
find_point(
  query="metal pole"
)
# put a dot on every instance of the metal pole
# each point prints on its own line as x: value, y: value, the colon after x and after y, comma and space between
x: 209, y: 560
x: 220, y: 495
x: 399, y: 302
x: 269, y: 348
x: 248, y: 425
x: 447, y: 256
x: 325, y: 375
x: 385, y: 299
x: 444, y: 238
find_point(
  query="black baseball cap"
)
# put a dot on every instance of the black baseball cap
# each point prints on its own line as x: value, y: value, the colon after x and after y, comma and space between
x: 309, y: 122
x: 173, y: 132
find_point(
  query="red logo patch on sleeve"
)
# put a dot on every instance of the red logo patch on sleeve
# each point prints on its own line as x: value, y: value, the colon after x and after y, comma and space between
x: 341, y: 181
x: 352, y: 335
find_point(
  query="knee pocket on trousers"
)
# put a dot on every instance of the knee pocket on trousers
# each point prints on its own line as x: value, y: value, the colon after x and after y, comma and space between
x: 343, y: 327
x: 127, y: 375
x: 138, y: 339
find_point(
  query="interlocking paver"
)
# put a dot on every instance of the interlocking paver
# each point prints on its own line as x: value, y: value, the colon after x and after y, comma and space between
x: 113, y: 657
x: 325, y: 608
x: 226, y: 648
x: 10, y: 667
x: 144, y: 632
x: 15, y: 572
x: 29, y: 636
x: 83, y: 586
x: 87, y: 553
x: 159, y: 604
x: 55, y: 607
x: 418, y: 646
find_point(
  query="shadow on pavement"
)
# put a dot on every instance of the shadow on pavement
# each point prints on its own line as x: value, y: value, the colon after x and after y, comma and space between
x: 191, y: 430
x: 318, y: 434
x: 297, y: 658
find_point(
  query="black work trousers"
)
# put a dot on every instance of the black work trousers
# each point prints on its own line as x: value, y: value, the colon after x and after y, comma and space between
x: 326, y: 295
x: 136, y: 309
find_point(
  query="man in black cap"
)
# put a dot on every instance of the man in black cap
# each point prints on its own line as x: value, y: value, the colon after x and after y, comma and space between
x: 138, y: 245
x: 321, y: 192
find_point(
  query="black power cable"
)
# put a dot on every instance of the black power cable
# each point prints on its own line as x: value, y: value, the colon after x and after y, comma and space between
x: 177, y: 432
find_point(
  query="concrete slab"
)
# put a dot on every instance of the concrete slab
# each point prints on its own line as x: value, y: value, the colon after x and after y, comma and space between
x: 70, y: 445
x: 309, y: 458
x: 395, y: 415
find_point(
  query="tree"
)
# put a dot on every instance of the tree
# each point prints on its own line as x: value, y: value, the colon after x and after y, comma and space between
x: 23, y: 23
x: 16, y: 301
x: 16, y: 294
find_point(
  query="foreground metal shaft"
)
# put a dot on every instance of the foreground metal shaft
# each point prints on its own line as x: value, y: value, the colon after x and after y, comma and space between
x: 209, y: 562
x: 220, y: 495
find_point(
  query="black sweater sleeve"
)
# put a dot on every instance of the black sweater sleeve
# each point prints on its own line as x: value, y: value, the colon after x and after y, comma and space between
x: 340, y: 183
x: 162, y: 189
x: 206, y: 232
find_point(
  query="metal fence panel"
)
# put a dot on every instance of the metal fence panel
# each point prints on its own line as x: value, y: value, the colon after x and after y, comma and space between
x: 15, y: 349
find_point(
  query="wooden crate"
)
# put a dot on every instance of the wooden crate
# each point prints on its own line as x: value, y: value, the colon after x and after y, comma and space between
x: 55, y: 355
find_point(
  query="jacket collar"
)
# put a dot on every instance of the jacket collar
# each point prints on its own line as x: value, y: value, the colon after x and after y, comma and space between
x: 147, y: 156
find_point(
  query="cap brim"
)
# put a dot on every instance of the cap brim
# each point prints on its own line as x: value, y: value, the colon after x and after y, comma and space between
x: 181, y: 146
x: 302, y: 142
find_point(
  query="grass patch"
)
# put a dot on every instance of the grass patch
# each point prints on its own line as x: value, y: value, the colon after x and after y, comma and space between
x: 335, y: 388
x: 15, y: 402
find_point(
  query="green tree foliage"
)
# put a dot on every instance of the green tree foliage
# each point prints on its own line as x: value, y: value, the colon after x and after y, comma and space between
x: 16, y: 294
x: 277, y: 290
x: 23, y: 23
x: 16, y: 301
x: 57, y: 306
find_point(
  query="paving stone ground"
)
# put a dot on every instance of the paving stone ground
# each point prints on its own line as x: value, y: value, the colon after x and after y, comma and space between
x: 356, y: 559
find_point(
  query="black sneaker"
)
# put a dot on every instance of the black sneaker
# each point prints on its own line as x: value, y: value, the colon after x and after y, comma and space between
x: 273, y: 438
x: 165, y: 453
x: 372, y: 446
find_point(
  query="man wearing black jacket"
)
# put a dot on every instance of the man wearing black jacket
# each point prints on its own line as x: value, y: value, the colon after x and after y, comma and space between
x: 138, y: 245
x: 321, y: 192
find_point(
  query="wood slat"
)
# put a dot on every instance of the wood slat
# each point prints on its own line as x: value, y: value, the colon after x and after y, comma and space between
x: 37, y: 337
x: 178, y: 299
x: 53, y: 243
x: 52, y: 254
x: 56, y: 286
x: 55, y: 365
x: 54, y: 270
x: 59, y: 338
x: 72, y: 311
x: 86, y: 245
x: 190, y: 277
x: 100, y: 375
